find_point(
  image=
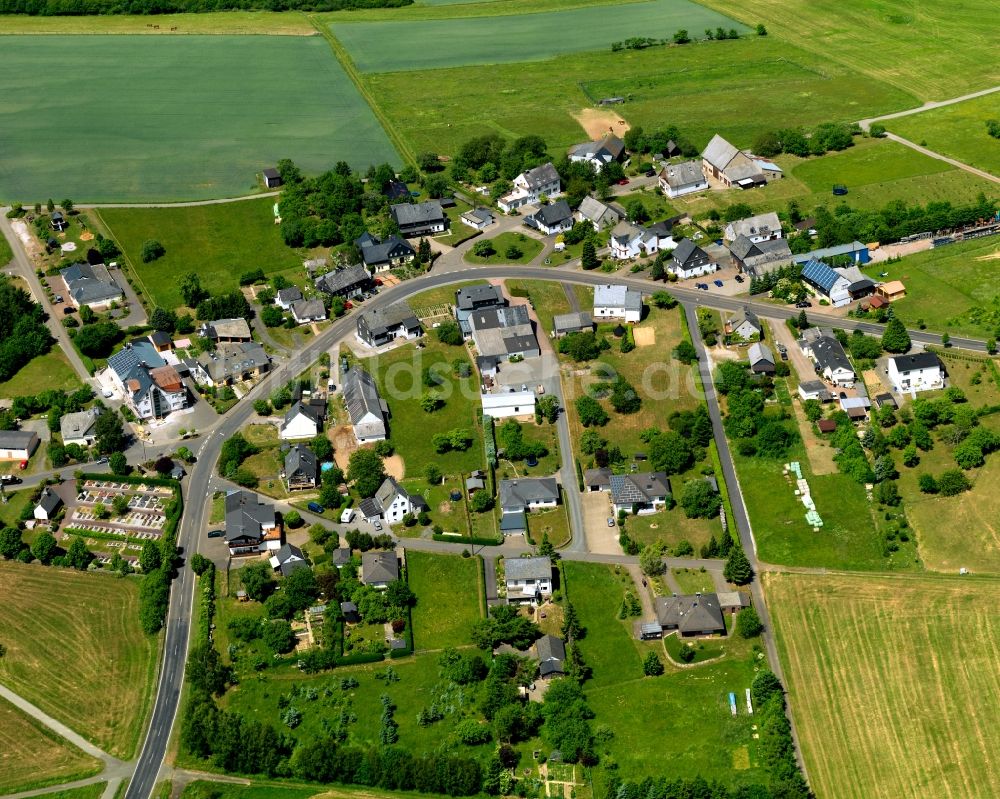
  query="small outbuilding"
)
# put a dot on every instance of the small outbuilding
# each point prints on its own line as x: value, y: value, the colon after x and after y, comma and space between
x: 272, y: 178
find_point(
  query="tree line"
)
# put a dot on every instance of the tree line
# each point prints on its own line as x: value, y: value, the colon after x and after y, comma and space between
x: 23, y: 334
x: 53, y: 8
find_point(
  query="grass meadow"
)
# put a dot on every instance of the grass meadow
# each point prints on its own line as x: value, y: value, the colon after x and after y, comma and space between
x: 681, y: 717
x: 397, y: 46
x: 32, y: 756
x: 51, y: 370
x: 448, y: 591
x: 957, y: 130
x: 193, y: 117
x: 892, y: 682
x: 930, y: 49
x: 398, y: 373
x: 953, y: 288
x: 218, y: 242
x: 702, y: 87
x: 74, y: 648
x: 529, y: 247
x: 94, y: 791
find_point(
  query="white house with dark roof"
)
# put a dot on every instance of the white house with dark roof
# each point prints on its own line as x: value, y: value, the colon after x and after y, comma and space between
x: 286, y: 296
x: 759, y: 258
x: 598, y: 154
x: 349, y: 282
x: 390, y: 503
x: 300, y: 421
x: 552, y: 218
x: 744, y: 324
x: 530, y: 186
x: 301, y: 468
x: 288, y: 559
x: 48, y: 505
x: 828, y: 355
x: 527, y: 579
x: 689, y: 260
x: 677, y: 180
x: 378, y: 327
x: 639, y: 492
x: 476, y: 297
x: 916, y: 371
x: 523, y: 495
x: 617, y: 302
x: 478, y: 218
x: 251, y: 525
x: 307, y: 311
x: 419, y: 219
x: 383, y: 255
x: 367, y: 410
x: 378, y: 568
x: 91, y: 285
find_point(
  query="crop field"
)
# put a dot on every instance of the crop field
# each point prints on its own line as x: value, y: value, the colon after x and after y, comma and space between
x: 74, y: 648
x: 892, y: 681
x: 193, y: 117
x: 219, y: 242
x: 31, y: 756
x: 953, y: 288
x: 957, y: 130
x: 447, y: 589
x: 700, y: 87
x: 934, y: 50
x: 462, y: 41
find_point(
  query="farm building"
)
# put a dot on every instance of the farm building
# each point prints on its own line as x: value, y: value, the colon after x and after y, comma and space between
x: 730, y: 166
x: 855, y: 250
x: 759, y: 258
x: 504, y: 333
x: 577, y: 322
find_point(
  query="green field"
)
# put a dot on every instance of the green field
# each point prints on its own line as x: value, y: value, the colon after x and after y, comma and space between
x: 94, y: 791
x: 953, y: 288
x: 529, y: 247
x: 892, y: 682
x: 219, y: 242
x: 957, y: 130
x: 874, y: 162
x: 74, y: 648
x: 463, y: 41
x: 447, y: 589
x: 192, y: 117
x: 707, y: 86
x: 932, y: 49
x: 49, y: 371
x: 220, y: 22
x: 398, y: 374
x: 32, y: 756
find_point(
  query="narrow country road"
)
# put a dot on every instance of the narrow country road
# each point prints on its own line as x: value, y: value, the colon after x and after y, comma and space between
x: 184, y: 203
x: 940, y: 157
x: 929, y: 106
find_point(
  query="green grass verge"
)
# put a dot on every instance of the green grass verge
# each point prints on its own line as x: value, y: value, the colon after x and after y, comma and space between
x: 957, y: 130
x: 94, y: 791
x: 49, y: 371
x: 218, y: 242
x: 192, y: 135
x: 447, y: 589
x: 430, y: 44
x: 529, y: 247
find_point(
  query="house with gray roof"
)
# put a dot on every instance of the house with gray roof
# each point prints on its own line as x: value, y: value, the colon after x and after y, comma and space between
x: 349, y: 282
x: 306, y: 311
x: 576, y: 322
x: 151, y: 388
x: 690, y: 615
x: 598, y: 154
x: 759, y: 258
x: 90, y: 285
x: 229, y: 363
x: 530, y: 187
x: 523, y: 495
x: 617, y: 302
x: 689, y: 260
x: 730, y: 166
x: 600, y: 215
x: 391, y: 503
x: 761, y: 359
x: 762, y: 227
x: 527, y: 579
x: 378, y: 569
x: 744, y: 324
x: 828, y: 355
x: 598, y: 479
x: 383, y: 325
x: 48, y: 505
x: 477, y: 297
x: 383, y: 255
x: 301, y: 468
x: 367, y: 410
x: 286, y: 296
x: 478, y: 218
x: 676, y: 180
x: 504, y: 332
x: 419, y: 219
x: 226, y: 330
x: 251, y: 525
x: 550, y: 652
x: 288, y: 559
x: 552, y: 218
x: 78, y: 428
x: 639, y: 492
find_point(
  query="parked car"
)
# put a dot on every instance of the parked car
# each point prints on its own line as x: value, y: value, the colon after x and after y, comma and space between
x: 9, y: 479
x: 108, y: 393
x: 102, y: 460
x: 803, y: 304
x: 703, y: 286
x: 611, y: 521
x: 739, y: 278
x: 623, y: 182
x: 315, y: 507
x: 68, y: 310
x: 718, y: 283
x: 347, y: 516
x: 58, y: 299
x: 650, y: 173
x: 22, y: 465
x: 377, y: 525
x: 215, y: 533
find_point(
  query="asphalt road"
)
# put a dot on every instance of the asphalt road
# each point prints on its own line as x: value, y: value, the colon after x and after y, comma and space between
x: 179, y: 621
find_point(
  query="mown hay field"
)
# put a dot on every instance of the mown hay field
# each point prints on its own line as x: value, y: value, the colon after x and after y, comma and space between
x: 892, y: 681
x: 75, y: 649
x: 189, y: 118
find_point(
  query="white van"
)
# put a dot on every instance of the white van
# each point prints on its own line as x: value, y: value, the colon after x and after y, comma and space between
x: 347, y: 516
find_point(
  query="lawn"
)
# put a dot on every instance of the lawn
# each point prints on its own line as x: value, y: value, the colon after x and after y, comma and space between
x: 693, y: 581
x: 10, y: 511
x: 957, y: 130
x: 436, y: 299
x: 74, y: 648
x: 397, y: 46
x: 529, y: 247
x: 219, y: 242
x: 892, y: 682
x: 871, y: 162
x: 851, y: 537
x: 930, y: 49
x: 952, y: 288
x: 32, y: 756
x: 552, y: 523
x: 206, y: 114
x: 49, y: 371
x: 448, y: 591
x: 438, y: 110
x: 664, y: 384
x: 398, y: 374
x: 547, y: 298
x: 6, y: 253
x: 673, y: 526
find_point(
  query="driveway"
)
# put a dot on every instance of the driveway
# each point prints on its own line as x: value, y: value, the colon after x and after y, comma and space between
x: 601, y: 539
x: 796, y: 358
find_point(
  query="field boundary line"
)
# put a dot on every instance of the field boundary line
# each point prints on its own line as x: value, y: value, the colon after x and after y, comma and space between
x: 345, y: 61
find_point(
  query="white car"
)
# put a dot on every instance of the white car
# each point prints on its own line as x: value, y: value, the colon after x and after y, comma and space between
x: 347, y: 516
x: 108, y: 393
